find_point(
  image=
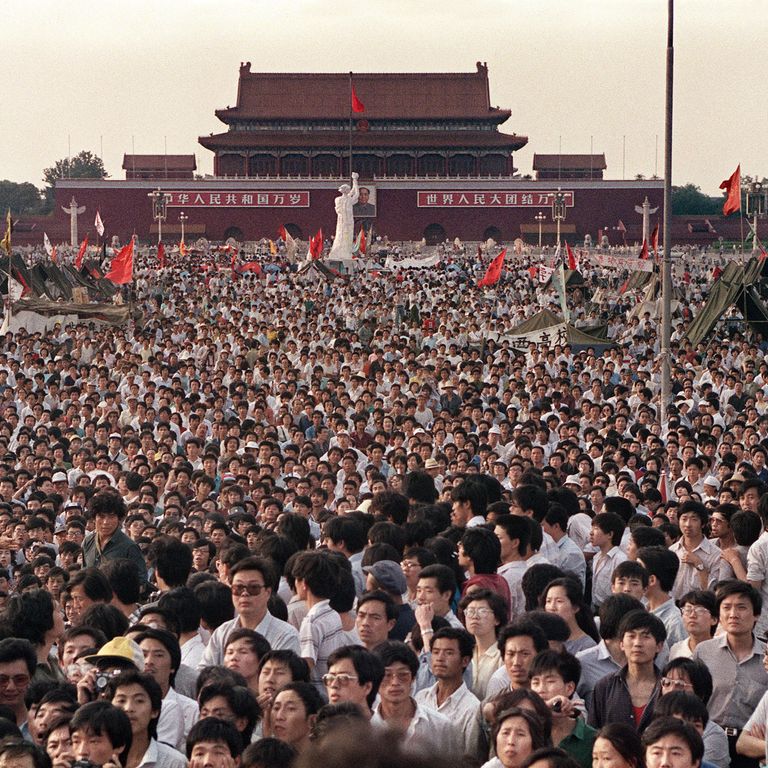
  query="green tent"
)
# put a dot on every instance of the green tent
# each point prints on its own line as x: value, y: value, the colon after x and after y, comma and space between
x: 734, y: 288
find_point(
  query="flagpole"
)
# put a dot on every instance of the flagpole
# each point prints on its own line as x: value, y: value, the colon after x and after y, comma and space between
x: 350, y: 124
x: 666, y: 264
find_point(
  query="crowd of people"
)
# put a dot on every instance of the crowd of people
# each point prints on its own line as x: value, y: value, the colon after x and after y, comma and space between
x: 274, y: 522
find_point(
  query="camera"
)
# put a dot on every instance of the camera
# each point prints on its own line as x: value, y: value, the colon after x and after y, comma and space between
x: 103, y: 678
x: 85, y: 764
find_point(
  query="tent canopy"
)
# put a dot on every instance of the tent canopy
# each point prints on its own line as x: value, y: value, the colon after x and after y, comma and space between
x: 734, y: 288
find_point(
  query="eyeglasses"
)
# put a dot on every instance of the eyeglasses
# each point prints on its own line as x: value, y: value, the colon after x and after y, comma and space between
x: 694, y: 610
x: 342, y: 680
x: 401, y: 677
x: 19, y: 681
x: 409, y: 564
x: 477, y: 612
x: 668, y: 682
x: 248, y: 589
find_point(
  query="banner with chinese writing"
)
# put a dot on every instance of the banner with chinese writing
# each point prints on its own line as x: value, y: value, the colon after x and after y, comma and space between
x: 554, y: 334
x: 622, y: 262
x: 491, y: 199
x: 201, y: 199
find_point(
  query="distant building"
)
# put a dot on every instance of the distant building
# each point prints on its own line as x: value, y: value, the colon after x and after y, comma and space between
x: 586, y: 167
x: 159, y: 166
x: 414, y: 125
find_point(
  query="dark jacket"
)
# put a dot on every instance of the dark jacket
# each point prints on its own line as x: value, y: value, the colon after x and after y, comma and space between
x: 612, y: 702
x: 118, y: 546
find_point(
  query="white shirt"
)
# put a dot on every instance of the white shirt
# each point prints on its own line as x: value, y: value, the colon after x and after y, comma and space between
x: 603, y: 566
x: 462, y: 708
x: 427, y: 733
x: 160, y: 755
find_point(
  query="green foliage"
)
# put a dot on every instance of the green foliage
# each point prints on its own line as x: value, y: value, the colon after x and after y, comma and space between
x: 690, y: 200
x: 85, y: 165
x: 22, y: 198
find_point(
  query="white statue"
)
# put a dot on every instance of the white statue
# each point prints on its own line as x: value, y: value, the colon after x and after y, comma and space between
x: 341, y: 249
x: 73, y: 212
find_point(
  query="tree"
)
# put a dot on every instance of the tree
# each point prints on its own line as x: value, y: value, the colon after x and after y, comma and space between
x: 86, y: 165
x: 691, y: 201
x: 20, y: 198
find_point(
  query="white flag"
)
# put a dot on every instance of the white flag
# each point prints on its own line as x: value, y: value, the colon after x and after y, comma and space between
x: 47, y: 244
x: 15, y: 289
x: 545, y: 273
x: 99, y: 224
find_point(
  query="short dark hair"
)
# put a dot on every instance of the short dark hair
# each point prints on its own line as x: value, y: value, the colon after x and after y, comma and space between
x: 241, y: 700
x: 216, y: 605
x: 393, y: 651
x: 30, y: 615
x: 670, y: 726
x: 561, y: 662
x: 495, y: 602
x: 734, y: 587
x: 318, y: 570
x: 213, y: 729
x: 698, y: 673
x: 532, y: 497
x: 612, y: 524
x: 553, y: 756
x: 695, y: 507
x: 170, y: 642
x: 148, y: 683
x: 103, y: 718
x: 380, y: 596
x: 368, y: 666
x: 183, y: 603
x: 463, y: 638
x: 483, y: 548
x: 18, y: 649
x: 347, y: 529
x: 172, y: 559
x: 641, y: 619
x: 268, y: 752
x: 686, y: 706
x: 94, y: 583
x: 299, y: 668
x: 124, y: 578
x: 612, y: 611
x: 309, y: 695
x: 14, y: 747
x: 516, y: 527
x: 647, y: 536
x: 662, y: 563
x: 258, y: 643
x: 443, y: 575
x: 630, y: 569
x: 521, y: 627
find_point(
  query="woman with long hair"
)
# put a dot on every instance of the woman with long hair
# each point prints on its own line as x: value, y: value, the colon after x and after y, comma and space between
x: 565, y: 597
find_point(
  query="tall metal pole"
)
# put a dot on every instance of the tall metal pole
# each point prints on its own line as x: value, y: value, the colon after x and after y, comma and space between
x: 666, y: 264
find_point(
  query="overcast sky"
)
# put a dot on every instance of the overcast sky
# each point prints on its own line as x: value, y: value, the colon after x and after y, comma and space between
x: 118, y: 76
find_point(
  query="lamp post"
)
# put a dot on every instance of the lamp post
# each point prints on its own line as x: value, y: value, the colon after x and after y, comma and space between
x: 159, y: 210
x: 558, y: 211
x: 540, y: 218
x: 183, y: 218
x: 757, y: 204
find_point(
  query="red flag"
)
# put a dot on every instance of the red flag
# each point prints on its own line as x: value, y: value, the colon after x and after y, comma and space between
x: 251, y: 266
x: 161, y: 254
x: 54, y: 256
x: 363, y: 244
x: 316, y: 245
x: 23, y: 282
x: 624, y: 286
x: 572, y: 263
x: 121, y: 269
x: 655, y: 240
x: 283, y: 233
x: 732, y: 187
x: 183, y: 250
x: 493, y: 273
x: 644, y: 250
x: 357, y: 105
x: 533, y: 272
x: 81, y: 253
